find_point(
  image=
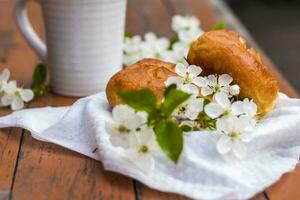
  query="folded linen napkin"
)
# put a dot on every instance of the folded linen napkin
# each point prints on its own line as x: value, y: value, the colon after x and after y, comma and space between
x: 201, y: 173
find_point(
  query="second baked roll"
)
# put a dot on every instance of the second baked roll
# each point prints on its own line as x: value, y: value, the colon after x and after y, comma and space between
x: 219, y: 52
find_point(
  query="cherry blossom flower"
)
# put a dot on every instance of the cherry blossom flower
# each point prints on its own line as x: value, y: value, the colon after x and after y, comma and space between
x: 131, y: 50
x: 15, y: 97
x: 4, y: 76
x: 214, y: 84
x: 154, y: 47
x: 184, y: 23
x: 177, y: 54
x: 125, y: 122
x: 187, y: 78
x: 236, y: 131
x: 189, y: 36
x: 143, y: 148
x: 190, y: 109
x: 221, y: 106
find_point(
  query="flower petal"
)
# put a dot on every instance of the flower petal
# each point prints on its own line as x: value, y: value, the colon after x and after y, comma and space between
x: 206, y: 90
x: 194, y: 71
x: 145, y: 136
x: 199, y: 81
x: 251, y: 108
x: 225, y: 125
x: 225, y: 79
x: 174, y: 80
x: 246, y: 137
x: 234, y: 90
x: 190, y: 88
x: 150, y: 37
x: 237, y: 108
x: 239, y: 149
x: 212, y: 80
x: 144, y: 161
x: 224, y: 144
x: 125, y: 115
x: 213, y: 110
x: 26, y: 95
x: 195, y: 104
x: 4, y: 76
x: 222, y: 99
x: 110, y: 128
x: 17, y: 104
x: 11, y: 87
x: 6, y: 100
x: 191, y: 114
x: 180, y: 69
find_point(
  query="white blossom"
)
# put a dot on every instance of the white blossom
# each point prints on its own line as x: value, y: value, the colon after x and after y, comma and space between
x: 185, y: 23
x: 189, y: 36
x: 178, y: 53
x: 125, y: 122
x: 235, y: 132
x: 154, y: 47
x: 190, y: 109
x: 143, y: 148
x: 131, y: 50
x: 214, y: 84
x: 4, y: 76
x: 221, y: 105
x: 187, y: 78
x: 15, y: 97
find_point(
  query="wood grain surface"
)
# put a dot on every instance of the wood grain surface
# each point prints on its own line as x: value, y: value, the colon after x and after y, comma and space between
x: 30, y: 169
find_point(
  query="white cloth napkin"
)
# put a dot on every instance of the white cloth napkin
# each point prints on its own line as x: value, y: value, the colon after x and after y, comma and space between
x: 201, y: 172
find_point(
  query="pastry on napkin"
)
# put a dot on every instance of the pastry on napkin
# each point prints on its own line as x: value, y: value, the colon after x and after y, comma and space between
x: 201, y: 171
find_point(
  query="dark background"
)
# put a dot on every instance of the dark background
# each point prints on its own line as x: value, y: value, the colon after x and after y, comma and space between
x: 275, y: 25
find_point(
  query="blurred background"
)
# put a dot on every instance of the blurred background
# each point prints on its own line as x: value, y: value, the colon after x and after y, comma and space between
x: 275, y: 25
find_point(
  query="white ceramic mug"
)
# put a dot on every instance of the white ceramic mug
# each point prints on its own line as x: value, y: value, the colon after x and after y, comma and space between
x: 83, y: 42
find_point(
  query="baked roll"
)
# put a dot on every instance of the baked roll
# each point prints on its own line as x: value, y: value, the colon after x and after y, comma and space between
x: 219, y: 52
x: 150, y: 73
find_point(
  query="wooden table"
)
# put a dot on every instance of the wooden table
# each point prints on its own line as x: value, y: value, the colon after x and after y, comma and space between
x: 30, y: 169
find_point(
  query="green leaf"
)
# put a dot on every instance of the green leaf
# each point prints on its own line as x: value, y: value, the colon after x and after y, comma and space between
x: 169, y: 88
x: 39, y: 90
x: 173, y: 40
x: 173, y: 98
x: 141, y: 100
x: 219, y: 26
x: 128, y: 35
x: 186, y: 128
x: 39, y: 78
x: 170, y: 138
x: 39, y: 75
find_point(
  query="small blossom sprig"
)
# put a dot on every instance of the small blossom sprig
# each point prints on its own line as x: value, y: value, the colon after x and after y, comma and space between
x: 12, y: 95
x: 145, y: 129
x: 214, y: 105
x: 187, y: 29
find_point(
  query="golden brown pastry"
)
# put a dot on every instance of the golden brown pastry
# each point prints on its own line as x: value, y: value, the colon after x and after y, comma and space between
x: 150, y: 73
x: 221, y: 51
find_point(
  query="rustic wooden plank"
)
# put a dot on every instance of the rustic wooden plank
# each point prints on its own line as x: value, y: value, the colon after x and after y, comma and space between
x: 47, y: 171
x: 69, y: 175
x: 9, y: 146
x: 16, y: 55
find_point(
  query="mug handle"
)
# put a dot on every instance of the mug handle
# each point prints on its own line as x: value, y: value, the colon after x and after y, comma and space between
x: 27, y: 31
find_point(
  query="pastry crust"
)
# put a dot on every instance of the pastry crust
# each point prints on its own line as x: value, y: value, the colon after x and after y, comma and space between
x: 150, y: 73
x: 221, y: 51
